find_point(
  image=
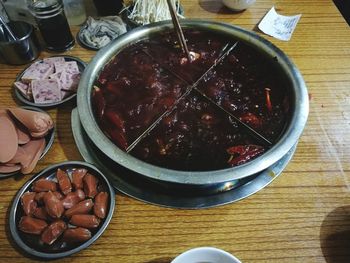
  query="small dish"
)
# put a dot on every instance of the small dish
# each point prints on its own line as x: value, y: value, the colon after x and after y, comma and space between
x: 238, y: 5
x: 32, y: 244
x: 100, y: 29
x: 205, y: 255
x: 49, y: 138
x: 24, y: 100
x: 81, y: 40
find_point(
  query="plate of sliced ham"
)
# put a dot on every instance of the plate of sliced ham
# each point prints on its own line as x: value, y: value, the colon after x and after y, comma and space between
x: 49, y: 82
x: 27, y: 134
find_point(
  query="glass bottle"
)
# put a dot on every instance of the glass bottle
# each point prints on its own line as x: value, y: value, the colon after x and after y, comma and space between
x: 108, y: 7
x: 75, y: 11
x: 52, y: 23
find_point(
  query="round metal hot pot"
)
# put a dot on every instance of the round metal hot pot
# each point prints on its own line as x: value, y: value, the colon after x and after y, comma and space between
x: 299, y: 105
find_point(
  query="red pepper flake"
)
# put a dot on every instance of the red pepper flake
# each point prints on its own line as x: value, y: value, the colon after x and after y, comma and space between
x: 268, y: 99
x: 241, y: 154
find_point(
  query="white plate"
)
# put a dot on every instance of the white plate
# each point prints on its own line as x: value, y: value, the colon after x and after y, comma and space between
x: 205, y: 255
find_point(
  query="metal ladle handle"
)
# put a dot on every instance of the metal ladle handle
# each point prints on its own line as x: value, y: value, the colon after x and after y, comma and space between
x: 8, y: 29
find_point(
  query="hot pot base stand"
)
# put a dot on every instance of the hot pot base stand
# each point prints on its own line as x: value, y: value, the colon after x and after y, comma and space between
x: 129, y: 183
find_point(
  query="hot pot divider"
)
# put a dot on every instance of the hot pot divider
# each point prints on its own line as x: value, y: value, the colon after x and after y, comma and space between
x: 226, y: 50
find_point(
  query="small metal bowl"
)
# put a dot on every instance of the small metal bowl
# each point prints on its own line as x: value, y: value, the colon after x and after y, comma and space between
x: 49, y: 138
x: 81, y: 65
x: 31, y: 243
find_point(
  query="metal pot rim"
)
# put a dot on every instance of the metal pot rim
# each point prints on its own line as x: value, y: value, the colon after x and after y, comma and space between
x: 285, y: 143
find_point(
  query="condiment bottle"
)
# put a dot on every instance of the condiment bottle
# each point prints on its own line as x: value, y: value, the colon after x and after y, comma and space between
x: 52, y: 23
x: 75, y: 11
x: 108, y: 7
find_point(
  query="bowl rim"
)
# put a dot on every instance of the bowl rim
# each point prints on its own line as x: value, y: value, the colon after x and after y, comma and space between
x: 282, y: 146
x: 15, y: 204
x: 200, y: 252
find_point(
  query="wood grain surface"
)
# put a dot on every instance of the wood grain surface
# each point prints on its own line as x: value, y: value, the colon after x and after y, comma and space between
x: 303, y: 216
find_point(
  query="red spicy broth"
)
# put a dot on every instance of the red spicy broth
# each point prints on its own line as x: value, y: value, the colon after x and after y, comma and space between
x: 249, y: 86
x: 194, y: 137
x: 146, y: 79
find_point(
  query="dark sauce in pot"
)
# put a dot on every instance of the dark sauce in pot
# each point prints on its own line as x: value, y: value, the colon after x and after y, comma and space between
x: 147, y: 79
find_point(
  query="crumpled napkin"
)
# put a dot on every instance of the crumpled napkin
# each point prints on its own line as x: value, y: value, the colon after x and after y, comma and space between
x: 99, y: 32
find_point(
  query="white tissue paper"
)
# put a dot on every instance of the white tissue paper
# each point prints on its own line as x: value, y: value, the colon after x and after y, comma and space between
x: 278, y: 26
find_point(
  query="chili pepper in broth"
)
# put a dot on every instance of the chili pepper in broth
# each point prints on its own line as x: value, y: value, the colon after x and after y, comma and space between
x: 243, y: 153
x: 268, y: 99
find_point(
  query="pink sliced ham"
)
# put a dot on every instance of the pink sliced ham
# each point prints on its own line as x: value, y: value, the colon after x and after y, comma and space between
x: 69, y: 67
x: 22, y: 140
x: 23, y: 137
x: 37, y: 123
x: 21, y: 157
x: 46, y: 91
x: 23, y: 89
x: 37, y: 71
x: 72, y: 67
x: 33, y: 149
x: 50, y: 80
x: 60, y: 66
x: 55, y: 75
x: 9, y: 168
x: 69, y: 82
x: 53, y: 60
x: 8, y: 139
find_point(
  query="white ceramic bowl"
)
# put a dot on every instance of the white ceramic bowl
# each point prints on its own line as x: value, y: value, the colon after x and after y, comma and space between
x: 205, y: 255
x: 238, y: 5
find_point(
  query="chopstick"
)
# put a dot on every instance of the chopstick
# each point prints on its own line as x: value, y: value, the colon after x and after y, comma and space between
x: 178, y: 30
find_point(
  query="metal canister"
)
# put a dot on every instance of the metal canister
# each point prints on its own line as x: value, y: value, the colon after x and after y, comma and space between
x: 24, y: 49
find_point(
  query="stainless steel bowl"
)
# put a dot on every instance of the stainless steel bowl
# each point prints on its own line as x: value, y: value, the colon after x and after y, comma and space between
x: 296, y: 123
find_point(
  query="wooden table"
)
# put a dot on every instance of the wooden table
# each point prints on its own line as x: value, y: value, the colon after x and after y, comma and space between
x: 303, y: 216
